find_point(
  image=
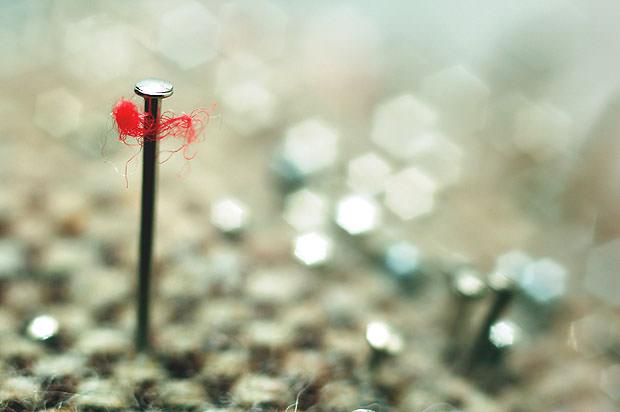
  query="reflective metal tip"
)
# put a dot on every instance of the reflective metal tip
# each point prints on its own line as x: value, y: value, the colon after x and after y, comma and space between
x: 504, y: 334
x: 467, y: 284
x: 152, y: 87
x: 381, y: 337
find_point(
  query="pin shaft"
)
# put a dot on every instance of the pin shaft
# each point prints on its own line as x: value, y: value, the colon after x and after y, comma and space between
x: 481, y: 348
x: 147, y: 226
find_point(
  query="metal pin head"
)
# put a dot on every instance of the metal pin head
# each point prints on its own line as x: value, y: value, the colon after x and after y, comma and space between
x: 230, y: 215
x: 153, y: 87
x: 42, y: 328
x: 504, y: 334
x: 382, y: 338
x: 501, y: 282
x: 404, y: 261
x: 468, y: 285
x: 313, y: 248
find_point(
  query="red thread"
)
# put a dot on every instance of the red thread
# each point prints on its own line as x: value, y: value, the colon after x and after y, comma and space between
x: 132, y: 124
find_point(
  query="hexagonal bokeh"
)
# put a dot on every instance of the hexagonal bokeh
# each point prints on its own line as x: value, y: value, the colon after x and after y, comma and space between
x: 512, y: 264
x: 410, y: 193
x: 542, y: 130
x: 313, y: 248
x: 439, y: 157
x: 596, y: 334
x: 367, y: 173
x: 57, y: 112
x: 403, y: 260
x: 357, y: 214
x: 544, y: 280
x: 310, y: 146
x: 249, y: 106
x: 229, y: 215
x: 188, y: 35
x: 459, y: 94
x: 504, y: 333
x: 399, y: 121
x: 306, y: 209
x: 96, y: 47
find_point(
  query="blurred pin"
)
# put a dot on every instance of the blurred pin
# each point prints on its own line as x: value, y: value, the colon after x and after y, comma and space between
x: 404, y: 261
x: 466, y: 287
x: 153, y: 91
x: 358, y: 214
x: 43, y: 328
x: 313, y: 248
x: 230, y: 216
x: 307, y: 149
x: 503, y: 335
x: 482, y: 349
x: 383, y: 340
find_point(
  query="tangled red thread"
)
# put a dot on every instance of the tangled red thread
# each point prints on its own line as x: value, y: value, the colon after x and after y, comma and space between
x: 134, y: 126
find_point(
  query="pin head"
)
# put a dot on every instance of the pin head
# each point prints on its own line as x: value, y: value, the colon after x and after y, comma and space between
x: 152, y: 87
x: 381, y: 337
x: 42, y: 328
x: 467, y: 284
x: 501, y: 282
x: 504, y: 334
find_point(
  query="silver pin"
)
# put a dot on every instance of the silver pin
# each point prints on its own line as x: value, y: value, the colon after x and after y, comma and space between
x: 490, y: 370
x: 230, y: 216
x: 153, y: 91
x: 43, y: 328
x: 503, y: 334
x: 405, y: 262
x: 504, y: 290
x: 466, y: 287
x: 383, y: 340
x: 358, y: 214
x: 313, y: 248
x: 307, y: 149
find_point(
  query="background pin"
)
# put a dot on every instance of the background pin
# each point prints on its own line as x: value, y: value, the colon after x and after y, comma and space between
x: 383, y: 340
x: 504, y: 290
x: 466, y: 287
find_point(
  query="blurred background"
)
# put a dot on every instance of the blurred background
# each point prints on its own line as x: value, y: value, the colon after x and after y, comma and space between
x: 436, y: 134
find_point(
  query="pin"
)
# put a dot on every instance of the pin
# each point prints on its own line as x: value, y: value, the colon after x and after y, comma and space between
x: 384, y: 341
x: 504, y: 290
x: 358, y: 214
x: 230, y: 216
x: 43, y: 328
x: 153, y: 91
x: 466, y: 287
x: 503, y: 335
x: 308, y: 148
x: 404, y: 261
x: 313, y: 249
